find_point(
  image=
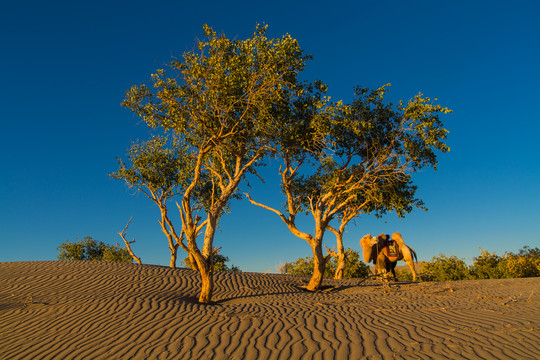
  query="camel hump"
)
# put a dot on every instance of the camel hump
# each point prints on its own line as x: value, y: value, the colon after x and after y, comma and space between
x: 398, y: 239
x: 383, y: 237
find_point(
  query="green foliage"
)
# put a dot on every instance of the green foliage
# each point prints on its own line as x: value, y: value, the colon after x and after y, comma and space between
x: 231, y: 104
x: 302, y: 266
x: 158, y: 164
x: 226, y: 96
x: 443, y: 268
x: 161, y: 168
x: 90, y: 249
x: 220, y: 263
x: 404, y: 275
x: 372, y: 147
x: 354, y: 268
x: 526, y: 263
x: 489, y: 266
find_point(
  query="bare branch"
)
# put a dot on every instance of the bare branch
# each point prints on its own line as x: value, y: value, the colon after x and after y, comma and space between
x: 123, y: 234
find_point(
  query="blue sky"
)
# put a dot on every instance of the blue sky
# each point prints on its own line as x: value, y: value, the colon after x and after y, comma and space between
x: 65, y: 67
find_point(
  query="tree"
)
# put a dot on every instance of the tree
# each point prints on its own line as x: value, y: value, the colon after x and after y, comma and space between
x: 159, y: 168
x: 354, y: 156
x: 221, y: 103
x: 90, y: 250
x: 398, y: 197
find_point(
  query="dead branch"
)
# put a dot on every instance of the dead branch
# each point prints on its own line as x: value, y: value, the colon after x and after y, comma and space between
x: 530, y: 296
x: 330, y: 252
x: 123, y: 234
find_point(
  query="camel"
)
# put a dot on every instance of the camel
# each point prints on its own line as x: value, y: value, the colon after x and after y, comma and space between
x: 385, y: 258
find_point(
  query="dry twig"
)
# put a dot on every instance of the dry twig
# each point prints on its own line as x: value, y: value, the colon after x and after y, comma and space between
x: 128, y: 247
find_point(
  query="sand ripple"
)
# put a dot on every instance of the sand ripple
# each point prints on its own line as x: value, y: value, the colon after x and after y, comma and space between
x: 99, y: 310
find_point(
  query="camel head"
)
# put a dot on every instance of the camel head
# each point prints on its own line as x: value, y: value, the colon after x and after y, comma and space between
x: 367, y: 243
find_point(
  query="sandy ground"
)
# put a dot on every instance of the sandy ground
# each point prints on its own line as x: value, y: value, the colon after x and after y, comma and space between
x: 98, y: 310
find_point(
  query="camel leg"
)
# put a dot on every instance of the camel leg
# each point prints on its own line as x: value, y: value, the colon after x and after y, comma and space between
x: 409, y: 260
x: 381, y: 266
x: 390, y: 267
x: 393, y: 269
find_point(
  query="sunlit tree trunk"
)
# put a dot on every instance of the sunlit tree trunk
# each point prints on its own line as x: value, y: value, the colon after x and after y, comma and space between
x: 207, y: 283
x: 341, y: 256
x: 174, y: 255
x: 319, y: 265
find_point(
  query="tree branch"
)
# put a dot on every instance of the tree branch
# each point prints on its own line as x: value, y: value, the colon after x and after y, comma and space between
x: 123, y: 234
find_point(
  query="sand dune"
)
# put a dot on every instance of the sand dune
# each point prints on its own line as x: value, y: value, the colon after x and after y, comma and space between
x: 99, y: 310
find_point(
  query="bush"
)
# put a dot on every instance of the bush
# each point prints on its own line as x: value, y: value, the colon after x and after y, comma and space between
x: 444, y: 268
x: 526, y: 263
x: 219, y: 263
x: 489, y: 266
x: 354, y: 268
x: 404, y: 275
x: 302, y: 266
x: 90, y: 249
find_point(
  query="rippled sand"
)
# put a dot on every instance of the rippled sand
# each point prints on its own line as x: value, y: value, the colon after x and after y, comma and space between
x: 99, y: 310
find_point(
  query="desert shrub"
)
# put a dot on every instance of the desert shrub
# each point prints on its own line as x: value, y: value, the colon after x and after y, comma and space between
x: 489, y: 266
x: 116, y: 253
x: 354, y: 268
x: 220, y: 263
x: 404, y: 275
x: 302, y: 266
x: 526, y: 263
x: 443, y: 268
x: 90, y: 249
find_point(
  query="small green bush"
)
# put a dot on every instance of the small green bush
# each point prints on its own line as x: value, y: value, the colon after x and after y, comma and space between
x: 443, y: 268
x: 354, y: 268
x: 489, y: 266
x: 90, y: 249
x: 404, y: 275
x: 219, y: 263
x: 302, y: 266
x: 526, y: 263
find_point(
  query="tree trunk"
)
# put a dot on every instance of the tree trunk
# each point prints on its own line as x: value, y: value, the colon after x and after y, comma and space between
x: 207, y: 285
x: 174, y: 254
x: 341, y: 257
x: 319, y: 265
x: 192, y: 262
